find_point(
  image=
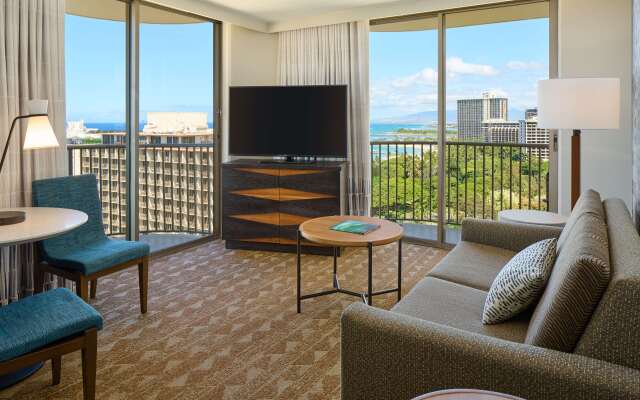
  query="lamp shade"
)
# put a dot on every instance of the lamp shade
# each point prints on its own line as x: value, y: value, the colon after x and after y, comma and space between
x: 39, y: 133
x: 586, y: 103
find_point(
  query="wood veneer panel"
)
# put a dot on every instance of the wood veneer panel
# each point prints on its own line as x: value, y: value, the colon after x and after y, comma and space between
x: 292, y: 194
x: 281, y: 194
x: 281, y: 172
x: 263, y: 171
x: 280, y: 219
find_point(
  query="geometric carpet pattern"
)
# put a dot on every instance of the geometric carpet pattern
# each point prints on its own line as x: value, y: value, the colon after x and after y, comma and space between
x: 222, y: 324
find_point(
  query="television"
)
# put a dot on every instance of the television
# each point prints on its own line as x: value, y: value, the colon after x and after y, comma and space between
x: 291, y: 121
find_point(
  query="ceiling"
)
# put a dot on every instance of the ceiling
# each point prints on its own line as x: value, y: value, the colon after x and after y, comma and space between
x: 272, y: 11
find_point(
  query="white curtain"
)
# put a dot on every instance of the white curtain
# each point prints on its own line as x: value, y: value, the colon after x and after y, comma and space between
x: 31, y: 67
x: 336, y: 54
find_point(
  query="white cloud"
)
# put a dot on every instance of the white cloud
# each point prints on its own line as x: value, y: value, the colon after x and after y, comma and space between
x: 457, y: 66
x: 427, y: 76
x: 524, y: 65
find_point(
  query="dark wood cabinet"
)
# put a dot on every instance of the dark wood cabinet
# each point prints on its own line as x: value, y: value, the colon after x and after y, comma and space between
x: 263, y: 204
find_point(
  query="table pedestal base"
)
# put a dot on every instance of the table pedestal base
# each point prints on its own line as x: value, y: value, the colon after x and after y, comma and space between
x: 367, y: 297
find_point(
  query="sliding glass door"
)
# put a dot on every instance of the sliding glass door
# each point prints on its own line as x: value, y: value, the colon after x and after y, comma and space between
x: 176, y: 137
x: 404, y: 124
x: 96, y: 100
x: 462, y: 83
x: 142, y: 91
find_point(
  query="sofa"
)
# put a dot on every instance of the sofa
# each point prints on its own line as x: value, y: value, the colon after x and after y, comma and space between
x: 581, y: 340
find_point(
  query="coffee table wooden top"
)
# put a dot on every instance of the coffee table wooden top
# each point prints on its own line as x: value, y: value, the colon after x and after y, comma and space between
x: 466, y: 394
x: 318, y: 230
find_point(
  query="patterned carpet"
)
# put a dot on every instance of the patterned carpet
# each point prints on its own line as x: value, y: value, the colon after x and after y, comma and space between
x: 222, y: 324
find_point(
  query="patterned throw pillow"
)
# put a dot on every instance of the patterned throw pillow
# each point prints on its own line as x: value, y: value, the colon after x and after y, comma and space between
x: 520, y: 283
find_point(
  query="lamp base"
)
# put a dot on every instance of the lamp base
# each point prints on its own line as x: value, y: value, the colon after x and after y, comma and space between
x: 11, y: 217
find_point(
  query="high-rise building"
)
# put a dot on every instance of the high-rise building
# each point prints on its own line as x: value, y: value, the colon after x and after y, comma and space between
x: 530, y: 113
x: 472, y: 113
x: 531, y: 134
x: 175, y: 176
x: 500, y: 131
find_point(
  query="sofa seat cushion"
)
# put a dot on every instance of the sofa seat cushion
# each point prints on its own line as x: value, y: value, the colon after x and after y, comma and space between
x: 472, y: 264
x: 40, y: 320
x: 458, y: 306
x: 94, y: 257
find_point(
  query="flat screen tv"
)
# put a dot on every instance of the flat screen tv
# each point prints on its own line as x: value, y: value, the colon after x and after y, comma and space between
x: 294, y: 121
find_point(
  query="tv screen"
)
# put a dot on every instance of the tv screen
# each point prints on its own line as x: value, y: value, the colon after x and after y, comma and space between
x: 309, y: 121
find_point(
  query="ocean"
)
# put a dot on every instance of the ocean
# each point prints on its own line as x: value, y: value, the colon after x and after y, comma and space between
x: 386, y: 132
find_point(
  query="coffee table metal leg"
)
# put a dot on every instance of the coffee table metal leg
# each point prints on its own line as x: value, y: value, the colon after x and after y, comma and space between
x: 298, y: 272
x: 370, y: 288
x: 399, y: 269
x: 336, y: 283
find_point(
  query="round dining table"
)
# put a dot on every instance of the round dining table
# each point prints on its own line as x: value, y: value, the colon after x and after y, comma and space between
x: 40, y: 223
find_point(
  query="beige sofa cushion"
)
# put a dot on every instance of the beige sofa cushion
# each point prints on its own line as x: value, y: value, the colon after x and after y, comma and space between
x: 457, y: 306
x: 472, y: 264
x: 577, y: 282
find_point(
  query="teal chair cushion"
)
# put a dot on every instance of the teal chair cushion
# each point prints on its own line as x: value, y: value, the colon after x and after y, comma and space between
x: 86, y: 249
x: 39, y: 320
x: 96, y: 256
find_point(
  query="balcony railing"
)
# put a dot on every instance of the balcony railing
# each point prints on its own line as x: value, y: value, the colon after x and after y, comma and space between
x: 480, y: 179
x: 175, y: 185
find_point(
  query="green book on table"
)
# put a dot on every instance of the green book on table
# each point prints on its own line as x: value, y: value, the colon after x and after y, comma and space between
x: 356, y: 227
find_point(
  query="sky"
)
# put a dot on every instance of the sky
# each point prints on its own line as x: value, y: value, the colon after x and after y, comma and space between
x: 504, y: 58
x: 176, y: 64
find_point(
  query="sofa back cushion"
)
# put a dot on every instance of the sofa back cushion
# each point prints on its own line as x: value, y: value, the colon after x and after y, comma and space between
x: 588, y: 203
x: 577, y: 282
x: 612, y: 333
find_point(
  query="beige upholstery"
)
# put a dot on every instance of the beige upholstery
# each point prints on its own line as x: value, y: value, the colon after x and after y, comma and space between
x: 472, y: 264
x: 588, y: 203
x: 578, y: 279
x: 432, y: 340
x: 613, y: 334
x: 458, y: 306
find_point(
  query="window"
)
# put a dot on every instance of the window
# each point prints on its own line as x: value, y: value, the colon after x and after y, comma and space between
x: 177, y: 96
x: 464, y: 142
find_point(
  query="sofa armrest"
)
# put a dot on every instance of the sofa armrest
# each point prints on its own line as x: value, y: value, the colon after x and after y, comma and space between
x: 514, y: 237
x: 387, y: 355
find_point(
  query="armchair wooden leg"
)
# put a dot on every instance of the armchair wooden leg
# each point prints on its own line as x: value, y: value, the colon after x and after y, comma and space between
x: 38, y: 279
x: 56, y: 367
x: 89, y: 361
x: 143, y: 282
x: 82, y: 288
x: 94, y: 288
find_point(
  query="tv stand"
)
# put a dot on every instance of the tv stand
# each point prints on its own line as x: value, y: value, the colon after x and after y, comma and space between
x: 262, y: 205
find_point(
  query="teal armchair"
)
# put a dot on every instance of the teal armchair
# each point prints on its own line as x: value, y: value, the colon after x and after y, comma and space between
x: 86, y: 253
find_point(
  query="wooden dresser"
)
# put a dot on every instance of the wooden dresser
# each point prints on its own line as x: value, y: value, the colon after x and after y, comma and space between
x: 263, y: 204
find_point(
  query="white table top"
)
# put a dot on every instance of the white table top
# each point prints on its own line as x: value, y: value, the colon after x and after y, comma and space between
x: 534, y: 217
x: 40, y: 223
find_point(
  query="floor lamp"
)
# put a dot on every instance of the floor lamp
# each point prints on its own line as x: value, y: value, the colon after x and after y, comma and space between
x: 39, y: 135
x: 577, y: 104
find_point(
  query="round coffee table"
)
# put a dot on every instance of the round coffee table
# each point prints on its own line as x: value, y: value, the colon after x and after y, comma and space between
x: 318, y: 230
x: 533, y: 217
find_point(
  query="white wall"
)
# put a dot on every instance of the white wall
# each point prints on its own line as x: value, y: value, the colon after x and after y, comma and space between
x: 595, y: 41
x: 248, y: 58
